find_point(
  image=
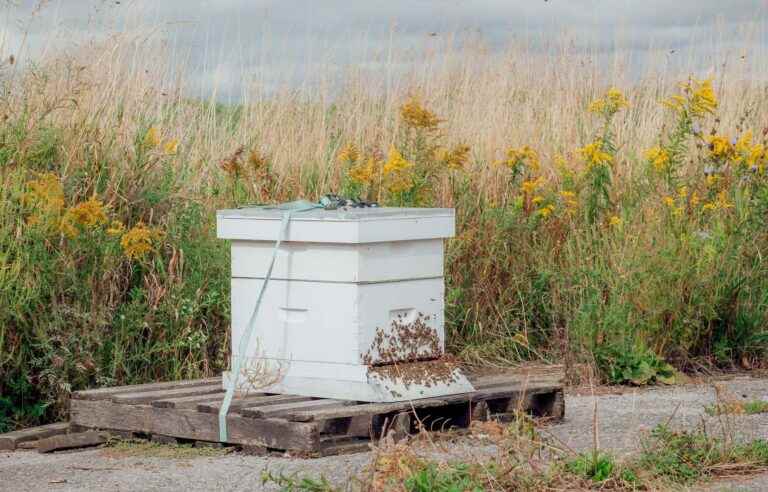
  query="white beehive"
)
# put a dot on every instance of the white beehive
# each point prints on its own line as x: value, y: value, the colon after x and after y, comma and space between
x: 355, y: 297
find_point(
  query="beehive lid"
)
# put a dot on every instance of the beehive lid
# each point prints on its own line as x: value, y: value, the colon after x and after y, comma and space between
x: 344, y: 225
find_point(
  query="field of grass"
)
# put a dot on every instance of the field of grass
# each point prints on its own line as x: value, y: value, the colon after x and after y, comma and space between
x: 603, y: 218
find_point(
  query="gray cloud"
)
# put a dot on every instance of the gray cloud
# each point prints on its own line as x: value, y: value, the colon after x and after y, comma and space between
x: 229, y: 41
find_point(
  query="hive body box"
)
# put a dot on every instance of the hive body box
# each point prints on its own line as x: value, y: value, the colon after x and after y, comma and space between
x: 343, y: 280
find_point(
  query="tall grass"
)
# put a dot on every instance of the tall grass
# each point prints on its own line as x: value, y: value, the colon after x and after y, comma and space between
x: 99, y: 144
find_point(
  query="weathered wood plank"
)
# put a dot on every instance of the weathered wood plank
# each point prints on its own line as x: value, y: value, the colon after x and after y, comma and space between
x: 275, y: 410
x: 250, y: 401
x: 190, y: 424
x: 100, y: 393
x: 149, y: 396
x: 70, y: 441
x: 11, y: 440
x: 342, y: 411
x: 188, y: 401
x: 336, y: 446
x: 531, y: 379
x: 514, y: 392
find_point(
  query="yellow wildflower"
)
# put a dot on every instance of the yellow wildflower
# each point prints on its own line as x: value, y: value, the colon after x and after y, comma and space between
x: 171, y: 147
x: 658, y: 157
x: 455, y: 158
x: 669, y: 201
x: 695, y: 199
x: 138, y: 241
x: 85, y: 214
x: 152, y: 138
x: 720, y: 147
x: 546, y: 210
x: 756, y: 157
x: 524, y: 155
x: 537, y: 199
x: 348, y: 154
x: 399, y: 182
x: 682, y: 192
x: 615, y: 221
x: 703, y: 99
x: 594, y: 155
x: 364, y: 172
x: 529, y: 186
x: 570, y: 201
x: 722, y: 201
x: 116, y: 228
x: 597, y: 106
x: 415, y: 115
x: 46, y: 194
x: 395, y: 162
x: 612, y: 102
x: 712, y: 180
x: 676, y: 103
x: 709, y: 206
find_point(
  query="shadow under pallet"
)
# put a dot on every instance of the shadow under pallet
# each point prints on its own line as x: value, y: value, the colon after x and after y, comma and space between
x: 187, y: 411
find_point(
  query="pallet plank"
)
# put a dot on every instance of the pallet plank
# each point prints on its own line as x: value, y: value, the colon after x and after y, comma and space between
x: 70, y: 441
x: 250, y: 401
x: 279, y: 408
x: 190, y: 424
x: 101, y: 393
x: 149, y: 396
x: 188, y: 401
x: 343, y: 411
x: 11, y: 440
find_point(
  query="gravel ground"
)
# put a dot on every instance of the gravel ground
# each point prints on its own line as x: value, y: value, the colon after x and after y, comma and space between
x: 621, y: 420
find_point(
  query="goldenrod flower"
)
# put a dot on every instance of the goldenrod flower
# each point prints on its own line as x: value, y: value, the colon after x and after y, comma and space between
x: 455, y: 158
x: 757, y: 157
x: 395, y: 162
x: 537, y: 199
x: 45, y: 194
x: 546, y: 210
x: 348, y: 154
x: 669, y: 201
x: 116, y: 228
x: 415, y: 115
x: 529, y: 186
x: 694, y: 199
x: 682, y: 192
x: 722, y: 201
x: 397, y: 183
x: 615, y: 221
x: 676, y: 103
x: 364, y: 172
x: 658, y: 157
x: 152, y: 137
x: 703, y: 99
x: 171, y: 147
x: 138, y: 241
x: 594, y: 155
x: 613, y: 101
x: 524, y: 155
x: 85, y: 214
x: 720, y: 147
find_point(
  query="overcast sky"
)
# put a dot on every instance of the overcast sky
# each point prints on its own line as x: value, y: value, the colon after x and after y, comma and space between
x: 228, y: 40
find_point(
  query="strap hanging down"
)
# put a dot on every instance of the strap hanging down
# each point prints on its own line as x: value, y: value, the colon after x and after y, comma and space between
x: 288, y: 210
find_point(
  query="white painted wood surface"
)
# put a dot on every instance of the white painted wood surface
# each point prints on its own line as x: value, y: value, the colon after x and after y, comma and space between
x: 339, y: 277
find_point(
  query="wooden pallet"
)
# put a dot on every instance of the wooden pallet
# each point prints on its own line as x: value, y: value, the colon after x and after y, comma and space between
x: 188, y: 411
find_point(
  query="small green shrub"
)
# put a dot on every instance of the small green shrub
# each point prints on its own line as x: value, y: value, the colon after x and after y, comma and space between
x: 638, y: 367
x: 295, y: 483
x: 456, y: 478
x: 597, y: 467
